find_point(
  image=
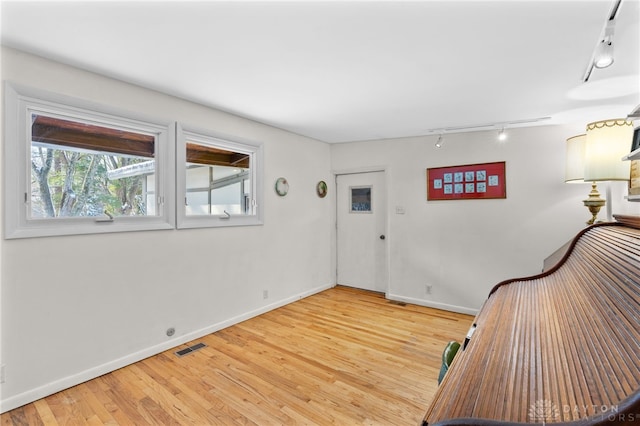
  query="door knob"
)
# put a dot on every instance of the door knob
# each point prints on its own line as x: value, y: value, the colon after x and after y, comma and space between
x: 382, y: 237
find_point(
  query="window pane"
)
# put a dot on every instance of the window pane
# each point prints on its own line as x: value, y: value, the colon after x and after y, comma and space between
x: 80, y: 169
x: 227, y: 198
x: 361, y: 199
x: 198, y: 203
x: 216, y: 181
x: 198, y: 176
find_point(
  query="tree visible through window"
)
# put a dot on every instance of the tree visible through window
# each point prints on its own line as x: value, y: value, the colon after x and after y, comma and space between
x: 80, y: 169
x: 72, y: 167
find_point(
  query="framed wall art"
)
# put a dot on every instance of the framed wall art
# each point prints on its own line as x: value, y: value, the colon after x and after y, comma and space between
x: 471, y: 181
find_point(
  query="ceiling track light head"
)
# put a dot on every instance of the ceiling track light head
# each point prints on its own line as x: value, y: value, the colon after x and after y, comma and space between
x: 603, y: 56
x: 439, y: 141
x: 502, y: 136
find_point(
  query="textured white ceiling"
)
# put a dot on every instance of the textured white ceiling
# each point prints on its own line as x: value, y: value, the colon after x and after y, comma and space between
x: 342, y: 71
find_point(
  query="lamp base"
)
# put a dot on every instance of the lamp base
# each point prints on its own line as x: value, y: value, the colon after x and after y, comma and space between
x: 594, y: 203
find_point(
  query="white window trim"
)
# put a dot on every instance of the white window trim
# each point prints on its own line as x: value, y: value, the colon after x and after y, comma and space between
x: 232, y: 143
x: 17, y: 172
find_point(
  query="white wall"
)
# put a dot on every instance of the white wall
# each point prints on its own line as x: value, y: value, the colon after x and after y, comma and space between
x: 464, y: 247
x: 75, y: 307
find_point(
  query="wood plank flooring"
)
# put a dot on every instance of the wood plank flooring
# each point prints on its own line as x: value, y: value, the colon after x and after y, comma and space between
x: 343, y: 356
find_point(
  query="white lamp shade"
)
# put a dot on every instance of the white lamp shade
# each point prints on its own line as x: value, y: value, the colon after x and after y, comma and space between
x: 607, y: 142
x: 574, y: 161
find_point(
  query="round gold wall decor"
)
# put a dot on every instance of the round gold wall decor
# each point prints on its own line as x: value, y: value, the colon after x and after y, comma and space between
x: 321, y: 189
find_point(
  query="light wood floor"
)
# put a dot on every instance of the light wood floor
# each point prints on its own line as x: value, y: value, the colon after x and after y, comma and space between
x: 343, y: 356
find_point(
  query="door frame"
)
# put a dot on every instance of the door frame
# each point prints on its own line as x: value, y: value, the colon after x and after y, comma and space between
x: 387, y: 223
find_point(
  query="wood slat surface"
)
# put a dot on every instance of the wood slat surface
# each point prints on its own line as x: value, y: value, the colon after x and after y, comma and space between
x: 343, y: 356
x: 560, y: 347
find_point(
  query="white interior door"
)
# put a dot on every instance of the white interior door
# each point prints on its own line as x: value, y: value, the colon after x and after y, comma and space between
x: 361, y: 235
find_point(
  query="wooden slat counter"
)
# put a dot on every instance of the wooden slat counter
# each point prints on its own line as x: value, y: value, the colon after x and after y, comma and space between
x: 563, y: 346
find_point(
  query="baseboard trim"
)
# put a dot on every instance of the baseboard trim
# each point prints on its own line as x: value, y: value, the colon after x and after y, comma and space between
x: 83, y: 376
x: 430, y: 304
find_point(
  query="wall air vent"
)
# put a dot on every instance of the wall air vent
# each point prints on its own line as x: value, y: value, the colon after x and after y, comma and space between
x: 185, y: 351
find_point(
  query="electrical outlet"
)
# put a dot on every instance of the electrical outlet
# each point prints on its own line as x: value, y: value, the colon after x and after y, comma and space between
x: 428, y: 288
x: 265, y: 294
x: 2, y: 373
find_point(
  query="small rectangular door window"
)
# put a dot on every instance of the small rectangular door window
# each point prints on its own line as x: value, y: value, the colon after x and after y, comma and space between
x: 360, y: 201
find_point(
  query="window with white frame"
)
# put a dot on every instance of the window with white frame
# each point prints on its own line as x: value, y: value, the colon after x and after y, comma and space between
x: 218, y: 180
x: 74, y: 168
